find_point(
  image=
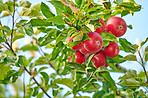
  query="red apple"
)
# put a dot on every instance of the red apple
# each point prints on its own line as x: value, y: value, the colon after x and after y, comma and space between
x: 79, y: 57
x: 76, y: 47
x: 102, y: 28
x: 95, y: 43
x: 106, y: 65
x: 84, y: 51
x: 99, y: 59
x: 112, y: 49
x: 116, y: 26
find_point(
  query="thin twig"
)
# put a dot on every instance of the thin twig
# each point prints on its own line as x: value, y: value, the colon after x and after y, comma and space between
x: 44, y: 56
x: 79, y: 94
x: 5, y: 47
x: 43, y: 53
x: 97, y: 78
x: 142, y: 64
x: 94, y: 86
x: 37, y: 82
x: 12, y: 22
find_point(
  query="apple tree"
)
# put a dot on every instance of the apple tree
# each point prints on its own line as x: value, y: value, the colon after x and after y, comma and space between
x: 68, y: 48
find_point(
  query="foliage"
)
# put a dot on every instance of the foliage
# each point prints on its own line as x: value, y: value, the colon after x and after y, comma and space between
x: 51, y: 71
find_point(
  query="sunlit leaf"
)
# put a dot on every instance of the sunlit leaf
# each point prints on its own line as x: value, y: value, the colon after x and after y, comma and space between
x: 26, y: 4
x: 130, y: 82
x: 58, y: 20
x: 45, y: 76
x: 130, y: 57
x: 76, y: 66
x: 29, y: 47
x: 40, y: 22
x: 46, y: 11
x: 127, y: 46
x: 129, y: 74
x: 4, y: 68
x: 3, y: 7
x: 142, y: 43
x: 64, y: 81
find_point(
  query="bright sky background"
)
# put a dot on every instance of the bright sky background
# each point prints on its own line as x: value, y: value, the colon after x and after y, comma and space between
x: 139, y: 32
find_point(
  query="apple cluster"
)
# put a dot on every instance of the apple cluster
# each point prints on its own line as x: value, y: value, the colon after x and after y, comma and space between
x: 114, y: 25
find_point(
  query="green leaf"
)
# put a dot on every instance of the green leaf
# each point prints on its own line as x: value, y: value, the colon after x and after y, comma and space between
x: 18, y: 35
x: 42, y: 68
x: 58, y: 20
x: 28, y: 29
x: 105, y: 43
x: 108, y: 37
x: 106, y: 86
x: 40, y: 22
x: 68, y: 93
x: 78, y: 2
x: 45, y: 76
x: 4, y: 68
x: 82, y: 97
x: 76, y: 66
x: 142, y: 43
x: 82, y: 81
x: 146, y: 49
x: 108, y: 78
x: 26, y: 4
x: 60, y: 37
x: 46, y: 11
x: 57, y: 49
x: 40, y: 95
x: 34, y: 11
x: 29, y: 47
x: 1, y: 39
x: 99, y: 94
x: 35, y: 91
x: 88, y: 59
x: 120, y: 1
x: 78, y: 38
x: 64, y: 81
x: 54, y: 92
x: 117, y: 59
x: 130, y: 6
x: 41, y: 61
x: 130, y: 82
x: 22, y: 61
x: 130, y: 57
x: 130, y: 26
x: 141, y: 74
x: 58, y: 5
x: 129, y: 74
x: 146, y: 57
x: 91, y: 87
x: 110, y: 95
x: 3, y: 7
x: 127, y: 46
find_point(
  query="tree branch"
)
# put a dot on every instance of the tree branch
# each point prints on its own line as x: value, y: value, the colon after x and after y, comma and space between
x: 142, y: 64
x: 12, y: 23
x: 5, y: 46
x: 43, y: 53
x: 36, y: 82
